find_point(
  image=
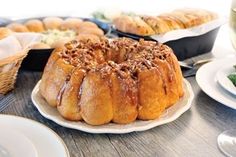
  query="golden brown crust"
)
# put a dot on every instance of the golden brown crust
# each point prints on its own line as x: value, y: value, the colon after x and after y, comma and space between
x: 17, y: 27
x: 170, y: 81
x: 4, y: 32
x: 172, y: 60
x: 95, y: 102
x: 69, y: 103
x: 52, y: 22
x: 55, y: 81
x: 35, y: 25
x: 152, y: 99
x: 134, y: 25
x: 112, y: 80
x: 149, y: 25
x: 124, y: 99
x: 85, y: 37
x: 95, y: 31
x: 47, y: 70
x: 86, y: 24
x: 158, y: 24
x: 70, y: 23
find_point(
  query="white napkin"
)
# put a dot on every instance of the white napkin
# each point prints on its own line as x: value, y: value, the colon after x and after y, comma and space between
x: 17, y: 43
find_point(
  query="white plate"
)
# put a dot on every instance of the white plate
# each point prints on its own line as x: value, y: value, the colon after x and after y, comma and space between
x: 224, y: 81
x: 171, y: 114
x: 29, y: 138
x: 207, y: 80
x: 14, y: 144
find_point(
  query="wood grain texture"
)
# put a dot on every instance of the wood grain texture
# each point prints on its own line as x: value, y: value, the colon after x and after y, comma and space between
x: 193, y: 134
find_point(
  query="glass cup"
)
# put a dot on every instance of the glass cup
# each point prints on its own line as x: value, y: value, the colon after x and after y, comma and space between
x: 227, y: 139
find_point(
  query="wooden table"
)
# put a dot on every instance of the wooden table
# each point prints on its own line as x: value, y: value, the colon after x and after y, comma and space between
x: 193, y: 134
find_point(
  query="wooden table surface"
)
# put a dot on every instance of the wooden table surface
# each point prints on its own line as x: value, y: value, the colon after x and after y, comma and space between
x: 193, y: 134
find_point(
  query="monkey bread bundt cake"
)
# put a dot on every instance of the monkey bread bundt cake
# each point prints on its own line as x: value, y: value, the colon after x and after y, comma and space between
x: 118, y: 80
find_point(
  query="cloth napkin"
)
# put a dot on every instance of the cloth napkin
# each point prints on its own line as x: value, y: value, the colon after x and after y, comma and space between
x: 16, y: 43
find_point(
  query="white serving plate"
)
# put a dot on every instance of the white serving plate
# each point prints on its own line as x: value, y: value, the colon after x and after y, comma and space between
x: 21, y: 137
x: 208, y: 82
x: 224, y: 80
x: 171, y: 114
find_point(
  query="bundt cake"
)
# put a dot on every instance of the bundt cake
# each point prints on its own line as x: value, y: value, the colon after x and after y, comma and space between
x: 118, y: 80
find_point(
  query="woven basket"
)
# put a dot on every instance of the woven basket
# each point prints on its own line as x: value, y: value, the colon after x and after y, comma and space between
x: 8, y: 71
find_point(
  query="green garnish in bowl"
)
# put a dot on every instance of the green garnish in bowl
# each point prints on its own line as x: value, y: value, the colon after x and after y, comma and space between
x: 232, y: 77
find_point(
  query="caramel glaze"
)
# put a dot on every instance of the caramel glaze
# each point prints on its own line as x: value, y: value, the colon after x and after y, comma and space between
x: 124, y: 58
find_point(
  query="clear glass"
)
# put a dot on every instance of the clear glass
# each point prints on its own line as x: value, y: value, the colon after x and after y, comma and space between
x: 232, y: 23
x: 227, y: 139
x: 227, y: 142
x: 4, y: 152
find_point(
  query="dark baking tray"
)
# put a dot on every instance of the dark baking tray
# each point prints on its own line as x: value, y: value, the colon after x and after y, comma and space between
x: 186, y: 47
x: 37, y: 58
x: 4, y: 21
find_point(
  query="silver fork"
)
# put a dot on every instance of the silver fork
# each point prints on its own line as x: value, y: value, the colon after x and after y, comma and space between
x: 194, y: 64
x: 189, y: 70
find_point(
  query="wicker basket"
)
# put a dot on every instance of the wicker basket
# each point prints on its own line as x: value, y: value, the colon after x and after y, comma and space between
x: 8, y: 71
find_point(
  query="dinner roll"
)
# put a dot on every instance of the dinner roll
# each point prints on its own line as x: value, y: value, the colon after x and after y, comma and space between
x: 52, y: 22
x: 4, y: 32
x: 17, y: 27
x: 70, y: 23
x: 86, y: 24
x: 84, y: 37
x: 94, y: 31
x: 35, y: 25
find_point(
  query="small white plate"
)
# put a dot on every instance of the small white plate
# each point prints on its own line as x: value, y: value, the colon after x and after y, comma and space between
x: 224, y: 81
x: 15, y: 144
x: 29, y: 138
x: 171, y: 114
x: 207, y: 80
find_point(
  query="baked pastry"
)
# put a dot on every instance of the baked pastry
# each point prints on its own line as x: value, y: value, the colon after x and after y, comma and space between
x: 117, y: 80
x: 149, y: 25
x: 70, y: 23
x: 56, y: 31
x: 35, y: 25
x: 4, y: 32
x: 52, y: 22
x: 17, y: 27
x: 159, y: 25
x: 94, y: 31
x: 134, y: 25
x: 86, y: 24
x: 86, y: 37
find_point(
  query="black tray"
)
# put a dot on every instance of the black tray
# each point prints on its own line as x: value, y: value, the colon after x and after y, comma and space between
x: 185, y: 47
x: 37, y: 58
x: 4, y: 21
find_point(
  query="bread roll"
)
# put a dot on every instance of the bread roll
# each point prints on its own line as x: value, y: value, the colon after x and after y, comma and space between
x: 35, y: 25
x: 134, y: 25
x: 85, y: 37
x: 52, y: 22
x: 4, y: 32
x: 17, y: 27
x: 159, y: 25
x: 94, y: 31
x: 86, y: 24
x: 70, y: 23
